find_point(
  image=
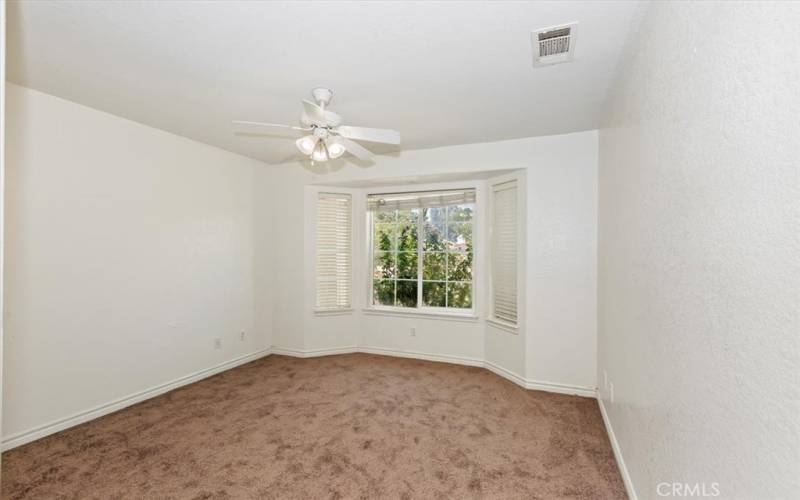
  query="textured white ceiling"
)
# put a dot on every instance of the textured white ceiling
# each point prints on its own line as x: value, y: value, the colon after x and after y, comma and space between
x: 441, y: 73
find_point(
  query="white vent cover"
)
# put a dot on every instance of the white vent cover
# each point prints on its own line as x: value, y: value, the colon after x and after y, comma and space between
x: 553, y: 45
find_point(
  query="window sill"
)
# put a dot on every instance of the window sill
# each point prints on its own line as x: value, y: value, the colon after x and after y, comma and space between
x: 469, y: 318
x: 502, y: 325
x: 332, y: 312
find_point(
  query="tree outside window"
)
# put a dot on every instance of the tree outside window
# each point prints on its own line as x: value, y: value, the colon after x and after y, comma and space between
x: 422, y: 257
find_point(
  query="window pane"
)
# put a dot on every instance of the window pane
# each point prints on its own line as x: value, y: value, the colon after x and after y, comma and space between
x: 459, y: 266
x: 407, y: 265
x: 407, y: 238
x: 434, y: 238
x: 390, y: 216
x: 460, y: 213
x: 406, y: 294
x: 383, y: 292
x: 434, y: 266
x: 459, y: 295
x: 385, y: 236
x: 384, y: 265
x: 459, y: 236
x: 436, y: 216
x: 433, y: 294
x: 408, y: 216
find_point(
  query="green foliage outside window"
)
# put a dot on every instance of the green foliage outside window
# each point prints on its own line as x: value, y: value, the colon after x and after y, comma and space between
x: 446, y: 253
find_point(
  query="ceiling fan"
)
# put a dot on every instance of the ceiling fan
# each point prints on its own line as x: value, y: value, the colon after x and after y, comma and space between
x: 326, y: 138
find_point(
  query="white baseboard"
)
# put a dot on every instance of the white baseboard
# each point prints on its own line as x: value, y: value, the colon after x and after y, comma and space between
x: 506, y: 374
x: 537, y: 385
x: 574, y: 390
x: 623, y: 469
x: 441, y: 358
x: 98, y: 411
x: 313, y: 353
x: 397, y: 353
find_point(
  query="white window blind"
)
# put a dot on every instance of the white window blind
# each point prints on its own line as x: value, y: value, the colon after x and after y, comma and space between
x: 425, y: 199
x: 334, y: 251
x: 504, y: 252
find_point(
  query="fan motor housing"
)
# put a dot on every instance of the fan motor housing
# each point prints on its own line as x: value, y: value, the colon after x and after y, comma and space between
x: 322, y: 95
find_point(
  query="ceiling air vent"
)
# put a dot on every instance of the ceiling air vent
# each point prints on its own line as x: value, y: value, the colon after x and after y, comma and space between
x: 553, y: 45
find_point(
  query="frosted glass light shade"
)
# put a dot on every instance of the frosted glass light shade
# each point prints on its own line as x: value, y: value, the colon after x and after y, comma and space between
x: 319, y: 154
x: 335, y: 149
x: 306, y: 144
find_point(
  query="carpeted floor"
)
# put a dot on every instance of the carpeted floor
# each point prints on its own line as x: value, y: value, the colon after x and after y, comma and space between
x: 349, y: 426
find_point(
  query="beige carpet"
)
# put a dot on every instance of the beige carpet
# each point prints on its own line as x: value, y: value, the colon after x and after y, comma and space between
x: 349, y: 426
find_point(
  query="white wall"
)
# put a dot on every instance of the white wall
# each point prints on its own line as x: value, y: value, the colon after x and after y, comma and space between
x: 559, y: 341
x: 131, y: 249
x: 263, y: 226
x: 562, y: 265
x: 699, y: 278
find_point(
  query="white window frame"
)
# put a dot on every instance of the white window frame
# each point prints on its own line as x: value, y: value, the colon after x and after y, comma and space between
x: 421, y: 310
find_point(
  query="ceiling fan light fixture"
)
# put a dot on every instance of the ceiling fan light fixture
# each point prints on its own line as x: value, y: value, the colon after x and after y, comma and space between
x: 306, y: 144
x: 335, y: 149
x: 325, y: 138
x: 320, y: 152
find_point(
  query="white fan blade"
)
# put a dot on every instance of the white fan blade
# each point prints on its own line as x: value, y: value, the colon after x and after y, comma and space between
x: 262, y: 124
x: 313, y: 113
x: 354, y: 148
x: 383, y: 135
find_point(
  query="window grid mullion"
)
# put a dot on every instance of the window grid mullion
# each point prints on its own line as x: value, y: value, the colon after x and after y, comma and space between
x: 446, y: 253
x: 420, y: 236
x: 395, y: 227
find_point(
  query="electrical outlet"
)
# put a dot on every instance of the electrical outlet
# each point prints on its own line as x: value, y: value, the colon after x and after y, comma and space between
x: 413, y: 331
x: 241, y: 335
x: 611, y: 392
x: 217, y: 343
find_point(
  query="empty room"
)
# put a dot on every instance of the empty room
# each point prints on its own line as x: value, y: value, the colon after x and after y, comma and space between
x: 400, y: 249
